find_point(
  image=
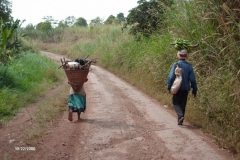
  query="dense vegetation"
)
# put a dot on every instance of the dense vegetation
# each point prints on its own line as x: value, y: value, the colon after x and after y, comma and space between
x: 213, y: 24
x: 24, y: 80
x: 24, y: 74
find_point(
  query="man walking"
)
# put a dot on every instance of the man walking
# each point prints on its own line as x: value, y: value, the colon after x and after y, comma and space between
x: 179, y: 99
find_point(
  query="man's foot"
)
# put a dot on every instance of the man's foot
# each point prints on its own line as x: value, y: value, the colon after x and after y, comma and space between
x: 180, y: 121
x: 70, y: 116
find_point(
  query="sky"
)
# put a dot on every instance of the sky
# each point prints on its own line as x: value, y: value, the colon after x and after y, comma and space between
x: 33, y: 11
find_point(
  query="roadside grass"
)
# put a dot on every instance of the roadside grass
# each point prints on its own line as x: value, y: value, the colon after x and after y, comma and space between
x: 46, y: 114
x: 24, y: 80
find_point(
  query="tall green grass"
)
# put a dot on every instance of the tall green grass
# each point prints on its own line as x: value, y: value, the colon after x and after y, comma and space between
x: 24, y: 80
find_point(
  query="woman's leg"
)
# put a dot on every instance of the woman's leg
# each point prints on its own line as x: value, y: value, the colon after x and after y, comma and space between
x: 79, y: 115
x: 70, y: 115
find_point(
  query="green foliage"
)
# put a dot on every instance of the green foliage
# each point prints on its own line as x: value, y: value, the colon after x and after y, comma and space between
x: 70, y: 20
x: 31, y: 32
x: 62, y: 25
x: 147, y: 17
x: 81, y: 22
x: 20, y: 82
x: 5, y: 10
x: 44, y: 30
x: 9, y: 43
x: 6, y: 79
x: 120, y: 17
x: 44, y: 26
x: 110, y: 20
x: 29, y: 27
x: 97, y: 21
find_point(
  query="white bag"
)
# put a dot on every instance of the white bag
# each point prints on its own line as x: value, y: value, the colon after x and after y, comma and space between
x: 178, y: 80
x: 72, y: 65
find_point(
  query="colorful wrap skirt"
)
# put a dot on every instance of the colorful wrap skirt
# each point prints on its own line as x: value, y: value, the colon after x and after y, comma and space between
x: 77, y: 101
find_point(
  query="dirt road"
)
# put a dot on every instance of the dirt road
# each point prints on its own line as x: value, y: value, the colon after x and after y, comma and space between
x: 120, y: 123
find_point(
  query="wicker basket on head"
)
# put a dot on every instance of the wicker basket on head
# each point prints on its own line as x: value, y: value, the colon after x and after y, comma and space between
x: 76, y: 78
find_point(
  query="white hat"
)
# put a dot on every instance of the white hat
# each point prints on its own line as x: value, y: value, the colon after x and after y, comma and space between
x: 182, y: 54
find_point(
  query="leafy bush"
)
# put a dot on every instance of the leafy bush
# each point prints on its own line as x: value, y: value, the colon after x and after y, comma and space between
x: 9, y: 44
x: 5, y: 10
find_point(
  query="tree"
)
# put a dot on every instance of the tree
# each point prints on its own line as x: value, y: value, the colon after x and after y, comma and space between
x: 81, y: 22
x: 147, y: 17
x: 9, y: 43
x: 62, y: 24
x: 70, y: 20
x: 121, y: 17
x: 51, y: 20
x: 96, y: 21
x: 31, y: 31
x: 30, y: 27
x: 111, y: 19
x: 48, y: 18
x: 5, y: 10
x: 44, y: 26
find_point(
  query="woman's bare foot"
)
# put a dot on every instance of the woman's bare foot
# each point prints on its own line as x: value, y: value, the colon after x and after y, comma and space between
x: 70, y: 116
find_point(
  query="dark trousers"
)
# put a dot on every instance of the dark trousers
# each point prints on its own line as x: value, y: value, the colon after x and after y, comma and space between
x: 179, y: 101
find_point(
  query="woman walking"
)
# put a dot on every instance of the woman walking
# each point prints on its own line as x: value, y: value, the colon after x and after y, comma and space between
x: 76, y: 102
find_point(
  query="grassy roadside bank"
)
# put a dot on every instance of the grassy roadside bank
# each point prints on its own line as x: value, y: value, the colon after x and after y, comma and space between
x: 24, y: 80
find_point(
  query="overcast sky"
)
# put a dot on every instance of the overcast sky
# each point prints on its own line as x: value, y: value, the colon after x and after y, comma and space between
x: 33, y: 11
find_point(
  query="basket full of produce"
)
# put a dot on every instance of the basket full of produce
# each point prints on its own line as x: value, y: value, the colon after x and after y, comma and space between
x: 77, y: 71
